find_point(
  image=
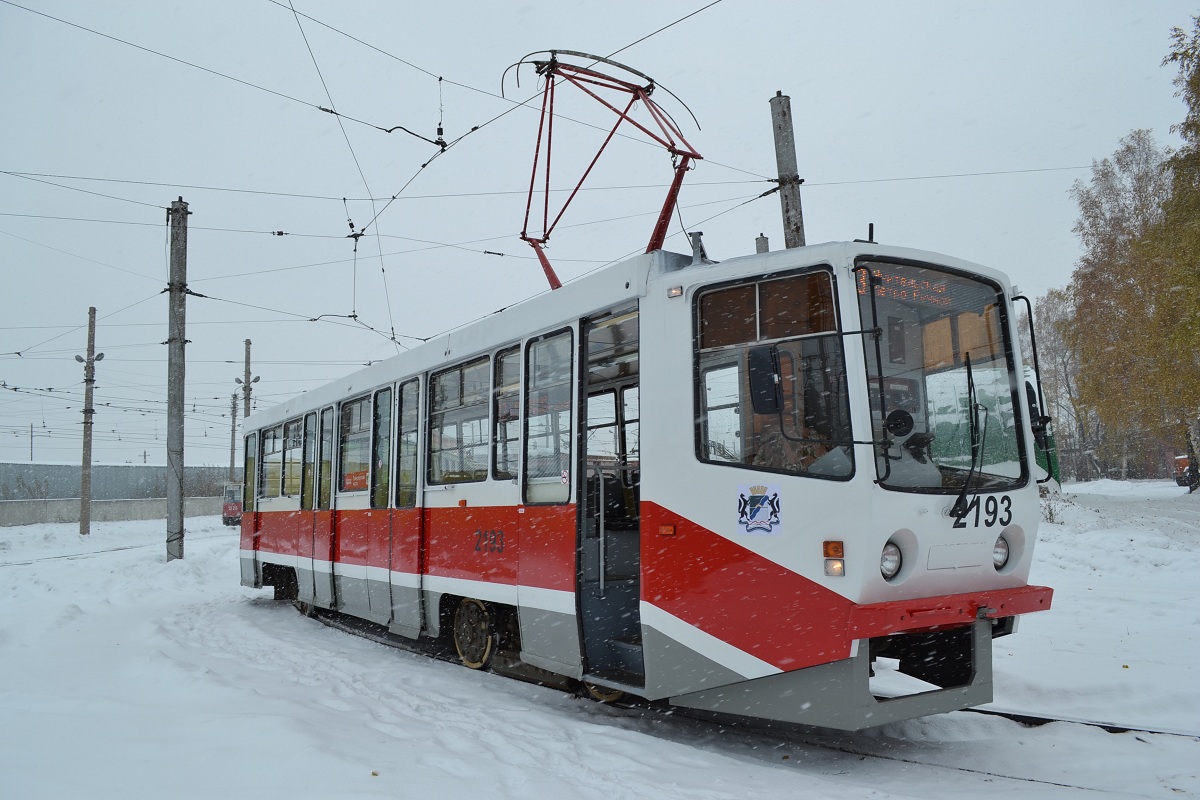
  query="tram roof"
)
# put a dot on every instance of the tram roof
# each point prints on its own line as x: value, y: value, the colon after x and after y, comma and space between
x: 605, y: 288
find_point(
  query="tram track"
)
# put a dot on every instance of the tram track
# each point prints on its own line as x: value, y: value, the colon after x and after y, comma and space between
x: 865, y: 752
x: 1037, y: 721
x: 108, y: 550
x: 847, y: 743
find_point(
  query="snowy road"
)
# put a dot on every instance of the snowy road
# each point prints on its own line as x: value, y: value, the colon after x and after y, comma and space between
x: 124, y: 676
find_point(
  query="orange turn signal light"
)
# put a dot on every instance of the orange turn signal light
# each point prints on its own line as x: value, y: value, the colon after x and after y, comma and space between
x: 834, y: 550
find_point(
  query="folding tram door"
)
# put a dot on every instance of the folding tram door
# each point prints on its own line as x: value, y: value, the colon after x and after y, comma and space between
x: 609, y: 585
x: 322, y: 516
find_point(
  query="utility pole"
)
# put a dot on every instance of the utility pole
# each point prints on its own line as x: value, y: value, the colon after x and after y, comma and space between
x: 176, y: 339
x: 232, y: 433
x: 89, y: 381
x: 789, y: 176
x: 246, y: 383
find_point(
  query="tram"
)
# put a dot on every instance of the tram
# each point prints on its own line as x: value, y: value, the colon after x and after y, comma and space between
x: 797, y: 486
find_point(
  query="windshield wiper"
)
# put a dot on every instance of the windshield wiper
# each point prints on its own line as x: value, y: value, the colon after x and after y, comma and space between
x: 959, y: 509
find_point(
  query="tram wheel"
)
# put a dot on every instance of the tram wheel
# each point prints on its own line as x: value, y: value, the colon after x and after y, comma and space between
x: 602, y: 694
x: 474, y: 638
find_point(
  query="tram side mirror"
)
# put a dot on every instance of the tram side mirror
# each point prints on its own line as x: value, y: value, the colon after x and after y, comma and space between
x: 1037, y: 421
x: 899, y: 423
x: 766, y: 395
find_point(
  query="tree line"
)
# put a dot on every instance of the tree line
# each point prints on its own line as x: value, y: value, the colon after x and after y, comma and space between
x: 1120, y: 345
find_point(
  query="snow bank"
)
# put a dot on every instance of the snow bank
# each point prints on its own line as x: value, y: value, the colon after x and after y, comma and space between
x: 124, y: 676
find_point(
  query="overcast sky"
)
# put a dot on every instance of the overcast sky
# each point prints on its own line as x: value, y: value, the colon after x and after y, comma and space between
x: 957, y: 127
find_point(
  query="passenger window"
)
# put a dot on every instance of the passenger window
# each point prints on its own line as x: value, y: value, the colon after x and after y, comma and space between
x: 797, y: 306
x: 381, y: 448
x: 506, y: 414
x: 548, y: 419
x: 728, y: 316
x: 406, y: 458
x: 722, y: 433
x: 325, y: 469
x: 633, y: 441
x: 458, y: 424
x: 602, y: 429
x: 293, y: 447
x: 354, y: 442
x: 249, y: 473
x: 272, y: 462
x: 310, y: 452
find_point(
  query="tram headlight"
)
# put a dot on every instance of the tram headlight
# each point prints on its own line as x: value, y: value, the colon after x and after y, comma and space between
x: 890, y: 561
x: 1000, y: 552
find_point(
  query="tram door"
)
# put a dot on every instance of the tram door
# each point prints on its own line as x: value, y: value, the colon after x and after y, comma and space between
x: 322, y: 530
x: 609, y: 529
x: 306, y: 529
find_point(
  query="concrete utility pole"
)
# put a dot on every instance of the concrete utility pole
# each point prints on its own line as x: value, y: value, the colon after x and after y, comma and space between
x: 232, y: 433
x: 789, y: 176
x: 89, y: 381
x: 246, y: 383
x: 176, y: 339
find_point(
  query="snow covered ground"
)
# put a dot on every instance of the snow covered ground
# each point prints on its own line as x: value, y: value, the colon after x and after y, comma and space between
x: 124, y: 676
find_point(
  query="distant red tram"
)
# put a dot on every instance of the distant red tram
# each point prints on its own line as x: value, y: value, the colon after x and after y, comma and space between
x: 796, y: 486
x: 231, y: 504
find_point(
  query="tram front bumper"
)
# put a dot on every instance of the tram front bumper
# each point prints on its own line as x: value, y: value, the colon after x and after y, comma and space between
x: 946, y: 642
x: 838, y: 695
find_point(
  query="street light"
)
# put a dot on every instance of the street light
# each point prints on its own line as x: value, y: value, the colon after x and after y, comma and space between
x: 89, y: 380
x: 246, y: 387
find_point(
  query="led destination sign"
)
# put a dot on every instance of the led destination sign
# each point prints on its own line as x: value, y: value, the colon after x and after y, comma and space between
x: 925, y: 287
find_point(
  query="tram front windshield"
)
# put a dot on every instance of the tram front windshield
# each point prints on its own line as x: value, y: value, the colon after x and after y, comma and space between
x: 941, y: 380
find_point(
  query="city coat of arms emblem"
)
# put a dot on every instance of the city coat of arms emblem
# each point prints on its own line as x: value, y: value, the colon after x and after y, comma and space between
x: 758, y: 509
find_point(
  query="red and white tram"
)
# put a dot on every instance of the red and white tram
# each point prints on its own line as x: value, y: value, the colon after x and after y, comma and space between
x: 757, y: 487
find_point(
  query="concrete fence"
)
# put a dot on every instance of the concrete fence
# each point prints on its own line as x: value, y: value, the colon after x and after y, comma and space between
x: 32, y: 512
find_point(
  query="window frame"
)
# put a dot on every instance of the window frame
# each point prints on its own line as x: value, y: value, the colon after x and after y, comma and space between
x: 436, y: 416
x: 381, y: 446
x: 274, y: 436
x: 308, y: 465
x: 514, y: 445
x: 735, y: 353
x: 572, y: 365
x: 343, y: 437
x: 402, y: 446
x: 250, y: 456
x: 292, y: 469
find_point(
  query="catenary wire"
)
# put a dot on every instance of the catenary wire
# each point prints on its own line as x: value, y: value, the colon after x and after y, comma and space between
x: 209, y: 70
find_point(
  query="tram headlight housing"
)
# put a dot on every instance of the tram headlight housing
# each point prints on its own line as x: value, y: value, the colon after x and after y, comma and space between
x: 1000, y: 552
x: 890, y: 561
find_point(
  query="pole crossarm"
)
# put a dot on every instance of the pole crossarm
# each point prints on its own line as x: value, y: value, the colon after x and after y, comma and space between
x: 660, y: 128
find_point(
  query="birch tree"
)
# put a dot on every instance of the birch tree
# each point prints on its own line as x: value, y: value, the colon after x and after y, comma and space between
x: 1116, y: 290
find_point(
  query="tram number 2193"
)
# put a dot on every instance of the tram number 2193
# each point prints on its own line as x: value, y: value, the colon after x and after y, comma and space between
x: 992, y: 511
x: 489, y: 542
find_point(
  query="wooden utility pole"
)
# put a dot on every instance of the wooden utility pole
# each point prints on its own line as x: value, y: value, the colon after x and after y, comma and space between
x: 789, y: 176
x: 232, y: 433
x: 89, y: 381
x: 176, y: 339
